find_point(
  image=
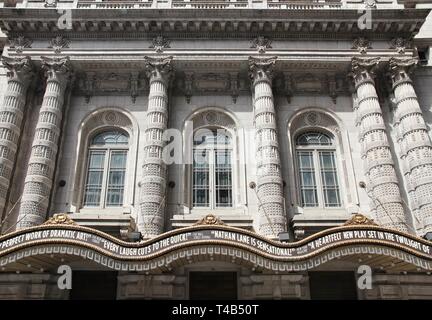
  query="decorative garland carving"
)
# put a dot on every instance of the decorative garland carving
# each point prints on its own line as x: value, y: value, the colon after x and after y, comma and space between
x: 359, y: 218
x: 60, y: 218
x: 210, y: 219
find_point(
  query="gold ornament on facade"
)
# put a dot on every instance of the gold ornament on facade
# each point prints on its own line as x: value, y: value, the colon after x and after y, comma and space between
x: 60, y: 218
x: 359, y: 219
x: 210, y: 219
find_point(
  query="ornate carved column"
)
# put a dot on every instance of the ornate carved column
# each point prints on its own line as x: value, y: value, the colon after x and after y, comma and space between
x: 272, y: 219
x: 20, y: 72
x: 383, y: 185
x: 416, y: 146
x: 153, y: 183
x: 40, y: 172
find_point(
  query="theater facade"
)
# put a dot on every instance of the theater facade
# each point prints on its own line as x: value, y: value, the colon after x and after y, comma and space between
x: 231, y: 149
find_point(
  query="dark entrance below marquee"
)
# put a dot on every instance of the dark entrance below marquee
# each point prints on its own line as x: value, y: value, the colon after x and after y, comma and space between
x: 328, y: 285
x: 94, y: 285
x: 213, y: 285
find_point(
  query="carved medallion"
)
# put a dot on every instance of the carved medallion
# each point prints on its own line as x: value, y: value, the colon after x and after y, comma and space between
x: 210, y: 219
x: 360, y: 219
x: 60, y: 218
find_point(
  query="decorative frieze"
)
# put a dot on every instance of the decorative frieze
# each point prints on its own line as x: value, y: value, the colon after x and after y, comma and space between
x: 361, y: 44
x: 272, y: 218
x: 416, y: 145
x: 20, y: 43
x: 41, y: 166
x: 160, y: 43
x: 153, y: 184
x: 261, y: 44
x: 400, y: 45
x: 383, y: 184
x: 58, y: 43
x: 19, y: 73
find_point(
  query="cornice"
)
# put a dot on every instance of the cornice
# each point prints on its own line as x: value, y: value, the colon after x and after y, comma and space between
x: 137, y: 23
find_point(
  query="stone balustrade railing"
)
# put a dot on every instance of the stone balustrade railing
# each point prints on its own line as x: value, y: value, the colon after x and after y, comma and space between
x: 187, y: 4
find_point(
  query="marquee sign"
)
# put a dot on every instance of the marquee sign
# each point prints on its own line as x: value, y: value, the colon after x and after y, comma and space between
x: 217, y: 235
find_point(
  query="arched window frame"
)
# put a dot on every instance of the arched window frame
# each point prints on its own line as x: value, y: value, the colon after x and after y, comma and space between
x: 327, y: 122
x: 225, y: 120
x: 108, y: 150
x: 212, y: 168
x: 315, y: 153
x: 97, y: 120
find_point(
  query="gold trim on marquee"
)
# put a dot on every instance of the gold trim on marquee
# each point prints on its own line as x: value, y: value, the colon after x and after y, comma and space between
x: 359, y: 218
x: 60, y: 218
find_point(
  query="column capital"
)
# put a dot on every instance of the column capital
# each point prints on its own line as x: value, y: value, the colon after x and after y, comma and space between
x: 159, y: 69
x: 400, y: 69
x: 261, y: 69
x: 20, y: 69
x: 59, y: 69
x: 363, y: 70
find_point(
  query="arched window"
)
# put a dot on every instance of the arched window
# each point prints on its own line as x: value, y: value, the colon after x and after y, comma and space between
x: 106, y: 169
x: 317, y: 170
x: 212, y: 169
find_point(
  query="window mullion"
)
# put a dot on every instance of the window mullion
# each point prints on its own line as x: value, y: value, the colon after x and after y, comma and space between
x: 212, y: 190
x: 105, y: 177
x: 318, y: 177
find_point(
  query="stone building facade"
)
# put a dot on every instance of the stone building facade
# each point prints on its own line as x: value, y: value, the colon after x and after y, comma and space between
x: 183, y: 142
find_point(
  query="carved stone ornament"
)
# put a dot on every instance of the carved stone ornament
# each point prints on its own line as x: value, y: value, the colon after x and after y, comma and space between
x: 361, y: 219
x: 400, y: 44
x: 407, y: 64
x: 370, y: 3
x: 158, y: 67
x: 17, y: 66
x: 361, y: 44
x: 261, y: 68
x: 261, y: 44
x: 20, y: 43
x: 61, y: 65
x: 134, y: 86
x: 160, y: 43
x: 210, y: 219
x: 58, y: 43
x: 50, y: 3
x: 60, y: 218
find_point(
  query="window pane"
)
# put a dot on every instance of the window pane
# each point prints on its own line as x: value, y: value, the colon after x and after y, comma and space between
x: 201, y: 179
x: 97, y: 159
x: 309, y: 197
x: 223, y: 183
x: 308, y: 179
x: 305, y: 160
x: 329, y: 179
x: 116, y: 178
x: 118, y: 159
x: 313, y: 138
x: 201, y: 198
x: 308, y: 187
x: 211, y: 138
x: 110, y: 137
x: 94, y: 178
x: 93, y: 187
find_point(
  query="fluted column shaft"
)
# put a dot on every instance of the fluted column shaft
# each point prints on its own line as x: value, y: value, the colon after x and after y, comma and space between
x: 416, y: 146
x: 40, y: 173
x: 272, y: 218
x: 153, y: 183
x: 383, y: 183
x: 20, y: 72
